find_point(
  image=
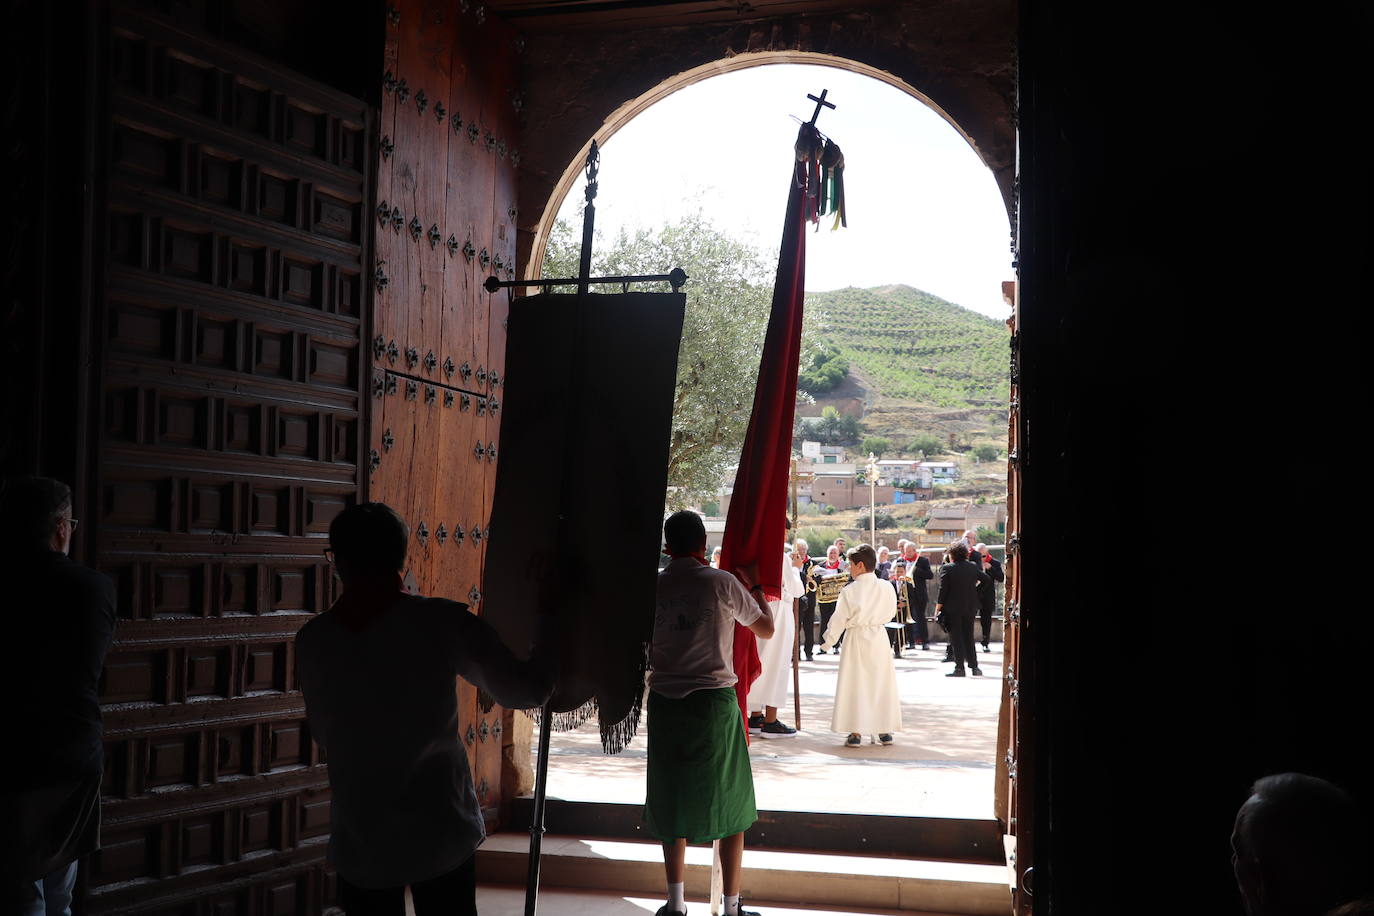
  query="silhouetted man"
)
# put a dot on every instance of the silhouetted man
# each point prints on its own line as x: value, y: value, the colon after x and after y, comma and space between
x: 960, y: 581
x: 60, y: 622
x: 378, y: 671
x: 1300, y: 848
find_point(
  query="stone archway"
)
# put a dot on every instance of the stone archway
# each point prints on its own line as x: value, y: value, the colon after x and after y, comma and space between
x: 631, y: 109
x: 955, y: 57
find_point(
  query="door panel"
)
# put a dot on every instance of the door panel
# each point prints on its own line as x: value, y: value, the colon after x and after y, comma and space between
x: 448, y: 91
x: 234, y: 225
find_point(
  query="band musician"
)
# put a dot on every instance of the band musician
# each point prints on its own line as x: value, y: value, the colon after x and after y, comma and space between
x: 830, y: 578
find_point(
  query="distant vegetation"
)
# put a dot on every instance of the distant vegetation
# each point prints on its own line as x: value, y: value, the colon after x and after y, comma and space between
x: 824, y: 372
x: 909, y: 345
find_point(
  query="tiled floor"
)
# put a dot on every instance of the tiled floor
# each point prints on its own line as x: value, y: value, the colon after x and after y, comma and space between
x: 941, y: 763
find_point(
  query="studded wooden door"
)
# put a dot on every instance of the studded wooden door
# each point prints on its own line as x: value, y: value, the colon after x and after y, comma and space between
x: 445, y: 221
x: 235, y: 232
x: 1015, y: 760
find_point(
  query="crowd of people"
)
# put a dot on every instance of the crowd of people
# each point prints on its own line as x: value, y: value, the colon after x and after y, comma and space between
x: 879, y: 600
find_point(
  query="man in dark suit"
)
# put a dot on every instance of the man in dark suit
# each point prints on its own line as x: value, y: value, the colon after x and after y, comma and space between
x: 918, y: 596
x: 987, y: 596
x: 960, y: 581
x: 60, y: 627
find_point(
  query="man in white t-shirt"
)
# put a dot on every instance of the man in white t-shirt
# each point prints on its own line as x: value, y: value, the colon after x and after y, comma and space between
x: 700, y: 785
x: 378, y: 670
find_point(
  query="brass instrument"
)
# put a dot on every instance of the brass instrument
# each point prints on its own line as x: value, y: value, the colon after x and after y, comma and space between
x: 829, y: 587
x: 903, y: 614
x: 811, y: 576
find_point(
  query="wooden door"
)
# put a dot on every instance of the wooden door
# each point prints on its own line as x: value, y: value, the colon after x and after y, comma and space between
x: 234, y: 229
x: 445, y: 221
x: 1015, y: 756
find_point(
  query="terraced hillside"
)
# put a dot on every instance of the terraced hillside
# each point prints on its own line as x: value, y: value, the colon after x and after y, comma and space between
x: 910, y: 345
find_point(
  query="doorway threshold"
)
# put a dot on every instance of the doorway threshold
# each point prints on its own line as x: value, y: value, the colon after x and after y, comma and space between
x: 947, y: 839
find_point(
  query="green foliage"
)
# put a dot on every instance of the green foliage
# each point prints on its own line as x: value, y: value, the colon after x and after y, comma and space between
x: 729, y: 294
x: 824, y: 372
x: 928, y: 444
x: 988, y: 535
x: 850, y: 429
x: 817, y: 539
x: 878, y: 445
x: 912, y: 345
x: 828, y: 510
x: 882, y: 521
x: 710, y: 508
x: 986, y: 452
x: 835, y: 428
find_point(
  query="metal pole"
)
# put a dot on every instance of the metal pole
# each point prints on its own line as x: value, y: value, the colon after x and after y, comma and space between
x: 541, y: 775
x: 541, y: 779
x: 796, y: 615
x: 872, y: 471
x: 796, y: 660
x: 584, y: 269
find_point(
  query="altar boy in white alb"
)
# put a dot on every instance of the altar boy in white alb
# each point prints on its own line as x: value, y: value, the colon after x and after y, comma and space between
x: 769, y: 693
x: 866, y: 701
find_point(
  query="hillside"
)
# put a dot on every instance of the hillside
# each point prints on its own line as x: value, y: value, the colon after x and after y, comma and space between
x: 908, y: 345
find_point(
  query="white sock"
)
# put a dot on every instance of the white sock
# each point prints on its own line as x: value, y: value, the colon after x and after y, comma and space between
x: 676, y: 902
x: 732, y: 905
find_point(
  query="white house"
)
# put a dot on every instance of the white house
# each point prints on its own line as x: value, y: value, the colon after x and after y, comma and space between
x: 942, y: 471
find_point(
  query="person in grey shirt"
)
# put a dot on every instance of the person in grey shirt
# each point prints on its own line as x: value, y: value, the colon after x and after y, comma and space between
x: 378, y: 672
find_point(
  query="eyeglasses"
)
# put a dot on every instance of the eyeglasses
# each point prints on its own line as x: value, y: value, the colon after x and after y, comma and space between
x: 72, y: 523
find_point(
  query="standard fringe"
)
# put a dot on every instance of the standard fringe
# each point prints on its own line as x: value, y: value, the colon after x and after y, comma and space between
x: 569, y: 721
x: 615, y: 736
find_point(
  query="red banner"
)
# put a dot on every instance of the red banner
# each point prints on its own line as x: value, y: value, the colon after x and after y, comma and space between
x: 756, y: 522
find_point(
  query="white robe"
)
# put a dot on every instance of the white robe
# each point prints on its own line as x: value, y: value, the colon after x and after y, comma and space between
x: 866, y: 700
x: 775, y: 654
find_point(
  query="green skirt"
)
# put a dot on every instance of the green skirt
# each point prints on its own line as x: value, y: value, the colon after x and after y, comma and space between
x: 700, y: 784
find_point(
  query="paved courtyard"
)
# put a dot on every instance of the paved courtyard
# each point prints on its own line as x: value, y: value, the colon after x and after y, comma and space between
x: 941, y: 764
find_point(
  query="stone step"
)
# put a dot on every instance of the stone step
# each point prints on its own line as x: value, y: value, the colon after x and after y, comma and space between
x: 845, y: 882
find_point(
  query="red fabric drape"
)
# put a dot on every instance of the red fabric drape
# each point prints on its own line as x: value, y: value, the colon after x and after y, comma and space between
x: 754, y: 526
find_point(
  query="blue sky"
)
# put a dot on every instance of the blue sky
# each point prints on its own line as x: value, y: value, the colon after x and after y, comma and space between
x: 923, y: 209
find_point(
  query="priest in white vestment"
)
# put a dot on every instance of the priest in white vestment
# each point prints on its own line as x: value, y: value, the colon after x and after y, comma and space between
x: 866, y: 701
x: 770, y: 691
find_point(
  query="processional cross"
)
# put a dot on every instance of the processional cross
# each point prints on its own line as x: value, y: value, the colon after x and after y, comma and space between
x: 820, y: 103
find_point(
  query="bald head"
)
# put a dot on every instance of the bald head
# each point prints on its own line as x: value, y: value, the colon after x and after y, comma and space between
x: 1299, y: 847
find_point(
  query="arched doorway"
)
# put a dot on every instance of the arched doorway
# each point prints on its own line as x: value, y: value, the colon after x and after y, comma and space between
x: 623, y: 115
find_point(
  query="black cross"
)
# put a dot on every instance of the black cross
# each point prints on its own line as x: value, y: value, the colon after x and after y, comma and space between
x: 820, y: 102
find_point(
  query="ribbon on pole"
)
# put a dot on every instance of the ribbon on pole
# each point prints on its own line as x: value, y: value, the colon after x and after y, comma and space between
x: 754, y: 525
